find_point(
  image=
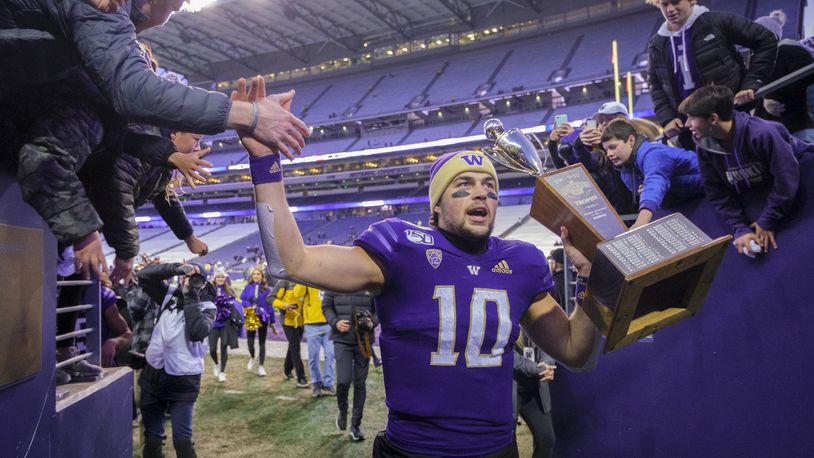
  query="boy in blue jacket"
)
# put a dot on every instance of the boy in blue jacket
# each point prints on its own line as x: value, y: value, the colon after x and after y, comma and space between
x: 738, y: 152
x: 659, y: 175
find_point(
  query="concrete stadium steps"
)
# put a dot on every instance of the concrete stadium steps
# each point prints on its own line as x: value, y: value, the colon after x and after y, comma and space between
x: 144, y: 234
x: 535, y: 233
x: 509, y: 216
x: 214, y: 238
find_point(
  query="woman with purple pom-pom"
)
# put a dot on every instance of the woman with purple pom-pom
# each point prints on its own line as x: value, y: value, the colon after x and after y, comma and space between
x: 259, y: 316
x: 226, y: 327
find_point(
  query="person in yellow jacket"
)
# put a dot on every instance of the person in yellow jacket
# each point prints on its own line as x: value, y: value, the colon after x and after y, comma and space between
x: 317, y: 334
x: 290, y: 308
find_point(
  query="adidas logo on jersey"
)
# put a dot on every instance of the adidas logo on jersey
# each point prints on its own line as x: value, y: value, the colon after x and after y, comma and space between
x: 502, y: 268
x: 275, y: 168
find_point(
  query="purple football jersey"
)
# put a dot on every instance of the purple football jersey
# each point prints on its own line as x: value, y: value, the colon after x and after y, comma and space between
x: 449, y: 320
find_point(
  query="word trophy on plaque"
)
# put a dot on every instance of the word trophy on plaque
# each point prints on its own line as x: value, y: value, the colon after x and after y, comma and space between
x: 642, y: 280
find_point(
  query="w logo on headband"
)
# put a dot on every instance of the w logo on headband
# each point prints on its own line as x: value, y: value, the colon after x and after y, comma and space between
x: 473, y: 159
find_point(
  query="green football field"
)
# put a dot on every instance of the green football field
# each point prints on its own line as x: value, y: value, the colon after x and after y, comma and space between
x: 251, y: 416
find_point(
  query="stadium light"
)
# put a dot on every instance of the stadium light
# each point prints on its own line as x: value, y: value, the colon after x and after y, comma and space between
x: 143, y: 219
x: 211, y: 214
x: 373, y: 203
x: 193, y: 6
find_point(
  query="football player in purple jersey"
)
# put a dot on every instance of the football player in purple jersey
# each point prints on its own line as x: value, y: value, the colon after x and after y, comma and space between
x: 450, y: 299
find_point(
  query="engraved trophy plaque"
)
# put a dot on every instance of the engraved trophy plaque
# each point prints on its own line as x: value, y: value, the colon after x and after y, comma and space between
x: 641, y: 280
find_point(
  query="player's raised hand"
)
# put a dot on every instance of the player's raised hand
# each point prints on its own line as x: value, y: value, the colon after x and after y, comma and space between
x: 277, y: 129
x: 252, y: 145
x: 581, y: 263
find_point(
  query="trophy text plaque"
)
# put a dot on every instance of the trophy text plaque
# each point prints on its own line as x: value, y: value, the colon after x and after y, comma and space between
x: 650, y: 278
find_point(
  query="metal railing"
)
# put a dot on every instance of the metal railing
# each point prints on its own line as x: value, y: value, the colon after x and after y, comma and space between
x: 91, y: 333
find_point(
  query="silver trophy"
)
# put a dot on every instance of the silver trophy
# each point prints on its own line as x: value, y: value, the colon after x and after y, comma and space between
x: 515, y: 150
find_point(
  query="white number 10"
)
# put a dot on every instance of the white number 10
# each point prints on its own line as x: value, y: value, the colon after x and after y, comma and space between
x: 445, y: 356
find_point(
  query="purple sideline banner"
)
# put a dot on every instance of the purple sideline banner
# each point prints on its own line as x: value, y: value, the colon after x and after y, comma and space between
x: 733, y: 381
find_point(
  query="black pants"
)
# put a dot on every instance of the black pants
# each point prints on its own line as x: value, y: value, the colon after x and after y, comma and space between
x: 219, y: 334
x: 261, y: 332
x: 351, y: 366
x: 293, y: 358
x: 529, y: 407
x: 382, y: 448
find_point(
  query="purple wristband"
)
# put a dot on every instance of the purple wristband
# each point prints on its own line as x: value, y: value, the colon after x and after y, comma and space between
x: 266, y: 169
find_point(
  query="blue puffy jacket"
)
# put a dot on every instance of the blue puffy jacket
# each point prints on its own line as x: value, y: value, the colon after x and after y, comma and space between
x: 668, y: 175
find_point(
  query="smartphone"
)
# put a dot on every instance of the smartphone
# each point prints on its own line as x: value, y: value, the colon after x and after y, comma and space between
x: 560, y: 120
x: 590, y: 124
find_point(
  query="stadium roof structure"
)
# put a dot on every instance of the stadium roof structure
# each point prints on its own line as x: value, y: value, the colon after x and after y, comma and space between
x: 235, y: 38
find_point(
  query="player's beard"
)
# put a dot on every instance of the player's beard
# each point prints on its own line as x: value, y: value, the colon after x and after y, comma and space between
x: 460, y: 229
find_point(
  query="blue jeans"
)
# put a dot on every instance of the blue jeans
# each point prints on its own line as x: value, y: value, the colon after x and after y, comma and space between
x: 318, y: 335
x: 152, y: 416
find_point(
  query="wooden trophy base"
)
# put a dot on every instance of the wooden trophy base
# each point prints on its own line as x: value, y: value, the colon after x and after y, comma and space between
x: 650, y: 278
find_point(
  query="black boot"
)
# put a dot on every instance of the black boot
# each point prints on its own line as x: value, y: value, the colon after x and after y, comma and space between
x: 342, y: 419
x: 153, y: 447
x: 184, y: 448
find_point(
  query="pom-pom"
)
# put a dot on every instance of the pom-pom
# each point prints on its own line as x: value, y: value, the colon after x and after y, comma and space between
x: 252, y: 322
x: 223, y: 306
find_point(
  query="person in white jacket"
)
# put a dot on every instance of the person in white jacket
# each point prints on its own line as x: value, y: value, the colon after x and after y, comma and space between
x: 175, y: 356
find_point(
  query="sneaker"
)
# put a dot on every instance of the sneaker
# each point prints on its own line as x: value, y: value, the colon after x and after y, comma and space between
x: 216, y: 371
x: 80, y: 371
x: 261, y: 371
x: 356, y: 434
x: 330, y: 391
x: 62, y: 377
x: 303, y: 383
x: 250, y: 365
x: 316, y: 391
x: 288, y: 377
x: 341, y: 420
x: 221, y: 377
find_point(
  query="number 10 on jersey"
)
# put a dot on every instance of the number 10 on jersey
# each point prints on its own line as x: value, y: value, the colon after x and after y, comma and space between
x: 481, y: 298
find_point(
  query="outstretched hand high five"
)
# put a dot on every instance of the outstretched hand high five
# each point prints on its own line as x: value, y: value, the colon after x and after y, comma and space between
x: 276, y: 126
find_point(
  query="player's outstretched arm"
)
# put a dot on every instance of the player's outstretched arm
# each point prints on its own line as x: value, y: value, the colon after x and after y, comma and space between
x: 570, y: 340
x: 336, y: 268
x: 331, y: 267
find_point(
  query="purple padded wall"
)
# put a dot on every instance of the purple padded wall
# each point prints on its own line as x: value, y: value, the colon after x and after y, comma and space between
x: 27, y: 407
x: 735, y: 380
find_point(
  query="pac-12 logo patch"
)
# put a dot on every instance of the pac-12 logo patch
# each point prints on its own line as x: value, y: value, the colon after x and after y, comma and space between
x: 434, y: 257
x: 420, y: 237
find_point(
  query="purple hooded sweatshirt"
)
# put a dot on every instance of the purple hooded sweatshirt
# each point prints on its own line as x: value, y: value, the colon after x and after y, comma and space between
x: 764, y: 154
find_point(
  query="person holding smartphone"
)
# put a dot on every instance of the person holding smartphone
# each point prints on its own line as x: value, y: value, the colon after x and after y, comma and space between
x: 584, y: 146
